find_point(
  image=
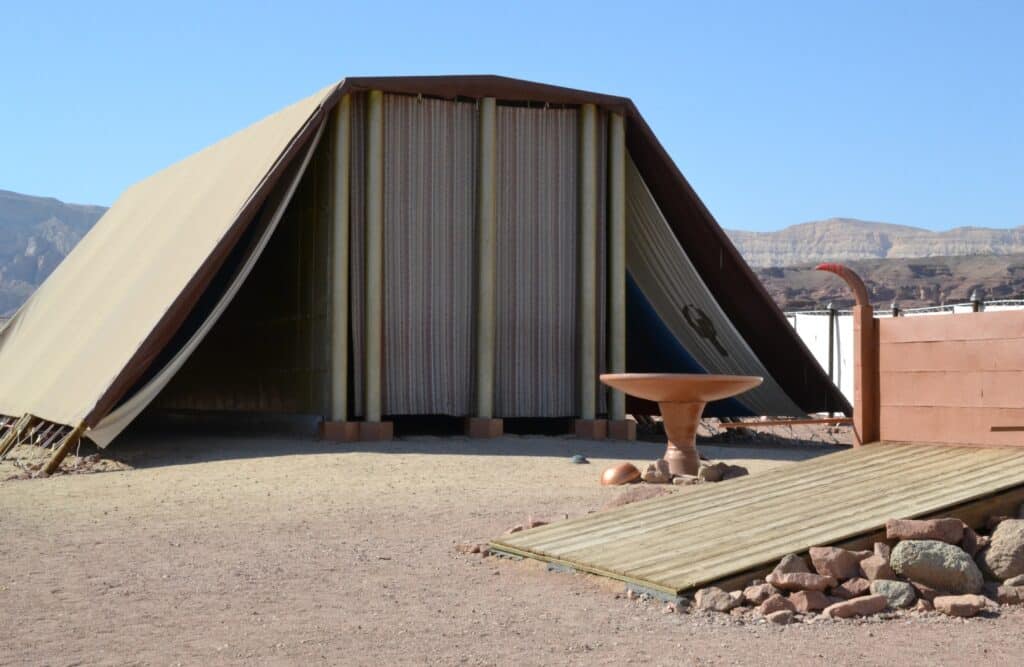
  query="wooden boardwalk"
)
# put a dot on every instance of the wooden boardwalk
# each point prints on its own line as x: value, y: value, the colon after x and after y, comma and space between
x: 717, y: 532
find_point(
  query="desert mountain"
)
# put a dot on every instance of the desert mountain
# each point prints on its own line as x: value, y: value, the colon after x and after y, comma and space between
x: 844, y: 239
x: 912, y: 266
x: 36, y: 233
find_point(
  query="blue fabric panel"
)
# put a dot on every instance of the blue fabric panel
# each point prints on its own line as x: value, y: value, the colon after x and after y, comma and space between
x: 652, y: 348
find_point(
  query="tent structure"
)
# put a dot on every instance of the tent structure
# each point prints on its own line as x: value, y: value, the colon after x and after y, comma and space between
x: 473, y: 246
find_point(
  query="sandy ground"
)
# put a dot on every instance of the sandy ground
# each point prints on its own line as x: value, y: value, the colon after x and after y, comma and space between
x: 238, y: 550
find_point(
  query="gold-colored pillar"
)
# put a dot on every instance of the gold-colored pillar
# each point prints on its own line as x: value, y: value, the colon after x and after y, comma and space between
x: 372, y: 428
x: 619, y: 427
x: 482, y: 423
x: 337, y: 427
x: 587, y: 424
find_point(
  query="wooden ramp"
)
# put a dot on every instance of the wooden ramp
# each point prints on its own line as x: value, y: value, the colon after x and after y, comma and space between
x: 725, y: 533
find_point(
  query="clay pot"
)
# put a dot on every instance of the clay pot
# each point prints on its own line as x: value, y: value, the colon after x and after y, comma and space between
x: 623, y: 473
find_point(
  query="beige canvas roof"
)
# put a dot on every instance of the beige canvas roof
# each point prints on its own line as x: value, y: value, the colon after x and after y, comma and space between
x: 64, y: 349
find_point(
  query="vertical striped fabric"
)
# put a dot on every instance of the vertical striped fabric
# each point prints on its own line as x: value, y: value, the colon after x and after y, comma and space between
x: 664, y: 273
x: 430, y: 158
x: 536, y: 364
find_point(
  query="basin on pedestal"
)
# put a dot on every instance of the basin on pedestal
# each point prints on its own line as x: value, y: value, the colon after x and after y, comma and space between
x: 681, y: 398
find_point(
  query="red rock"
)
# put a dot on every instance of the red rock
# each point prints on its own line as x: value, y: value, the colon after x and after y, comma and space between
x: 1010, y: 595
x: 883, y: 550
x: 808, y: 601
x: 861, y: 606
x: 963, y: 606
x: 834, y: 562
x: 877, y: 567
x: 775, y: 603
x: 993, y: 522
x: 759, y: 593
x: 852, y: 588
x: 862, y: 554
x: 801, y: 581
x: 925, y: 592
x: 950, y: 531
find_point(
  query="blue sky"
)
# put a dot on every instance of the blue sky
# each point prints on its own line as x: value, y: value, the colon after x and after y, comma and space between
x: 777, y: 112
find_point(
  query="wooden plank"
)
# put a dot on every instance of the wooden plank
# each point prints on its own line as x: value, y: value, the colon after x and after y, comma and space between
x: 787, y: 422
x: 966, y: 426
x: 967, y: 327
x: 725, y: 532
x: 990, y: 355
x: 955, y: 389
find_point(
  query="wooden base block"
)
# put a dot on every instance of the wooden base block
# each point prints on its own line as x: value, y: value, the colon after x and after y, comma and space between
x: 590, y: 429
x: 339, y: 431
x: 621, y: 429
x: 480, y: 427
x: 376, y: 431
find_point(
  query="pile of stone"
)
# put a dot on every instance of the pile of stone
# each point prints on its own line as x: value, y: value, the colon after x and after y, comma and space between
x: 658, y: 473
x: 930, y: 566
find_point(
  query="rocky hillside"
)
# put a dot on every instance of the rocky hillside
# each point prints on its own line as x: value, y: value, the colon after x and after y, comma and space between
x: 843, y: 239
x: 35, y: 235
x: 911, y: 283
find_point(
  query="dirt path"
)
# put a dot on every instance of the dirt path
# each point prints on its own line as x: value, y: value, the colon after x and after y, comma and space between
x: 289, y: 552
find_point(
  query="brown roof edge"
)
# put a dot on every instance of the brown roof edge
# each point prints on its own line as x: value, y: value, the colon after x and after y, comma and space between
x: 728, y: 277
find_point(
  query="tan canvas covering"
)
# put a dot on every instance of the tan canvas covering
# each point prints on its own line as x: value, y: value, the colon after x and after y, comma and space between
x: 73, y: 338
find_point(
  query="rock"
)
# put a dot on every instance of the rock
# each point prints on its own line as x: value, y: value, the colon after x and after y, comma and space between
x: 1003, y: 558
x: 467, y: 548
x: 862, y: 554
x: 631, y: 594
x: 579, y: 458
x: 791, y: 563
x: 852, y: 588
x: 900, y: 594
x: 876, y: 567
x: 714, y: 472
x: 937, y: 564
x: 925, y: 592
x: 1015, y: 581
x: 883, y: 550
x: 963, y: 606
x: 801, y: 581
x: 714, y: 599
x: 862, y: 606
x: 533, y: 522
x: 684, y: 480
x: 514, y: 529
x: 950, y: 531
x: 969, y: 543
x: 1009, y: 594
x: 775, y: 603
x: 809, y: 601
x: 737, y: 596
x: 835, y: 562
x: 759, y: 593
x: 734, y: 471
x: 781, y: 617
x: 657, y: 473
x: 923, y: 605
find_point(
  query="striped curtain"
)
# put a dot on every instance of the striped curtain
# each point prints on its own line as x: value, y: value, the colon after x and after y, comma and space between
x: 430, y: 161
x: 536, y: 364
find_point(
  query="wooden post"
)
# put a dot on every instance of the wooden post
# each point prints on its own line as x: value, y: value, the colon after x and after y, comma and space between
x: 619, y: 428
x: 337, y: 427
x: 372, y: 428
x: 482, y: 424
x: 69, y: 441
x: 587, y: 425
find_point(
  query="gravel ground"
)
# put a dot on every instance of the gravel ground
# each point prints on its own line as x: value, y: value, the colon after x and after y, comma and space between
x: 216, y: 550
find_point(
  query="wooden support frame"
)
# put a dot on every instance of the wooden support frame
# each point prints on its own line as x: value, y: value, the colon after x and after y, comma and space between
x: 13, y: 435
x: 69, y: 441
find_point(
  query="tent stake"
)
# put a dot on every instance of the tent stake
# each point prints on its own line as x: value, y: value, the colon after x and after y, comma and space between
x: 69, y: 441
